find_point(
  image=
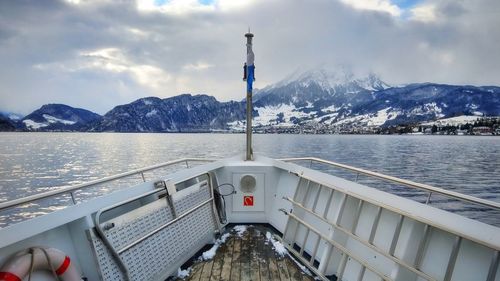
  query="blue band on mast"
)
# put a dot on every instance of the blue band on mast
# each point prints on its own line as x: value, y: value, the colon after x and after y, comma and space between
x: 250, y: 77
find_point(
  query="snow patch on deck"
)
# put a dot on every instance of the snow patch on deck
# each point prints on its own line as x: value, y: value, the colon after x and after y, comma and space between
x: 183, y: 273
x: 240, y: 230
x: 210, y: 254
x: 278, y: 247
x: 281, y: 250
x: 303, y: 268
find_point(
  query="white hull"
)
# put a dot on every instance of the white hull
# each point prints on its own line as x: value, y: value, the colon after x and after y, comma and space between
x: 338, y: 227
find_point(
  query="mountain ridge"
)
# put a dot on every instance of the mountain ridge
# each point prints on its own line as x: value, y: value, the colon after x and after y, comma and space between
x: 337, y: 99
x: 57, y: 117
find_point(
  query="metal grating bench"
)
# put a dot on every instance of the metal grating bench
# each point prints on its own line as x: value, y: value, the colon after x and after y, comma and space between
x: 150, y: 242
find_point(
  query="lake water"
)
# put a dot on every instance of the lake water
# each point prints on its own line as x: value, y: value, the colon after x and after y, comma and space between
x: 36, y: 162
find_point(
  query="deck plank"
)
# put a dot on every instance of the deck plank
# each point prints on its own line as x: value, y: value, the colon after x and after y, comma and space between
x: 263, y: 259
x: 294, y: 272
x: 283, y: 269
x: 248, y: 258
x: 218, y: 262
x: 196, y: 272
x: 245, y: 257
x: 254, y: 258
x: 207, y: 270
x: 235, y: 262
x: 228, y: 257
x: 273, y: 266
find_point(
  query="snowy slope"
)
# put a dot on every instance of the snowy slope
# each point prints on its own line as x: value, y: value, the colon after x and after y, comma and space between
x: 340, y: 98
x: 55, y: 117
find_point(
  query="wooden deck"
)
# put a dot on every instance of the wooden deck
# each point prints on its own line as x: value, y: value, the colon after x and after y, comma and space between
x: 249, y: 257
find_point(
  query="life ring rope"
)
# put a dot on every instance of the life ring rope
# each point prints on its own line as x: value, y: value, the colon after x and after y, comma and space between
x: 7, y: 276
x: 53, y: 257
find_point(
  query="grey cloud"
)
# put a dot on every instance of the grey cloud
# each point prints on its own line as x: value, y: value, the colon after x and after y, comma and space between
x: 43, y: 46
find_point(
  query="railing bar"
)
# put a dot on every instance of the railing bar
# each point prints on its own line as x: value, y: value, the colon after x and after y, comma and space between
x: 315, y: 251
x: 308, y: 188
x: 395, y: 237
x: 215, y: 214
x: 428, y: 199
x: 303, y: 246
x: 409, y: 215
x: 492, y: 272
x: 171, y: 205
x: 373, y: 247
x: 358, y: 214
x: 89, y: 184
x: 296, y: 232
x: 297, y: 189
x: 375, y: 225
x: 162, y: 227
x: 294, y: 198
x: 342, y: 265
x: 340, y: 213
x: 320, y: 187
x: 73, y: 199
x: 327, y: 261
x: 143, y: 177
x: 337, y: 245
x: 421, y: 247
x: 453, y: 258
x: 328, y: 203
x: 412, y: 184
x: 156, y: 190
x: 361, y: 273
x: 301, y: 259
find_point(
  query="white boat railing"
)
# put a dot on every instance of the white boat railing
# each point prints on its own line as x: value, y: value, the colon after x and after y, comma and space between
x: 71, y: 189
x: 428, y: 188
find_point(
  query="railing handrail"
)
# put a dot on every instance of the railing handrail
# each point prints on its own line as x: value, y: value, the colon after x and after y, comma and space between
x: 28, y: 199
x: 412, y: 184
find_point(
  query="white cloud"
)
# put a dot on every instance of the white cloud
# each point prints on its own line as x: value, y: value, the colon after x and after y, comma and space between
x: 178, y: 7
x: 375, y: 5
x: 197, y: 66
x: 75, y: 2
x: 424, y: 13
x: 228, y: 5
x: 182, y: 7
x: 114, y: 60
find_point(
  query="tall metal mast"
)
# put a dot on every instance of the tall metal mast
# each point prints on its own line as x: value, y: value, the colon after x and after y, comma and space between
x: 249, y: 69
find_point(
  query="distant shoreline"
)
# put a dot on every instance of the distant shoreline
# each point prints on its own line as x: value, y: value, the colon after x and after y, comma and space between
x: 254, y: 133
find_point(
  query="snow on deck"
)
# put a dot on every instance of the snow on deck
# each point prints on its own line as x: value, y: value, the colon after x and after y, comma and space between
x: 246, y: 252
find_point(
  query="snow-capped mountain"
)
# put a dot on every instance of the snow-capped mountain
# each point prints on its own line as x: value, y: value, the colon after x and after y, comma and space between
x: 183, y: 113
x: 55, y: 117
x: 335, y: 98
x: 340, y: 98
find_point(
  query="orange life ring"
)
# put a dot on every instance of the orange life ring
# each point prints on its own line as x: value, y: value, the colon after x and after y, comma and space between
x: 32, y: 259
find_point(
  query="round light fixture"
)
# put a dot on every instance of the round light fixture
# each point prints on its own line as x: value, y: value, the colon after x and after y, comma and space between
x: 247, y: 184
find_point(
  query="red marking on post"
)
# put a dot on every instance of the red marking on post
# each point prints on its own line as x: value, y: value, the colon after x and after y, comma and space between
x: 7, y: 276
x: 247, y: 200
x: 64, y: 266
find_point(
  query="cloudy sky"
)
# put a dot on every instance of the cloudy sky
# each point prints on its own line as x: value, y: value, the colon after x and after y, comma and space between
x: 98, y: 54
